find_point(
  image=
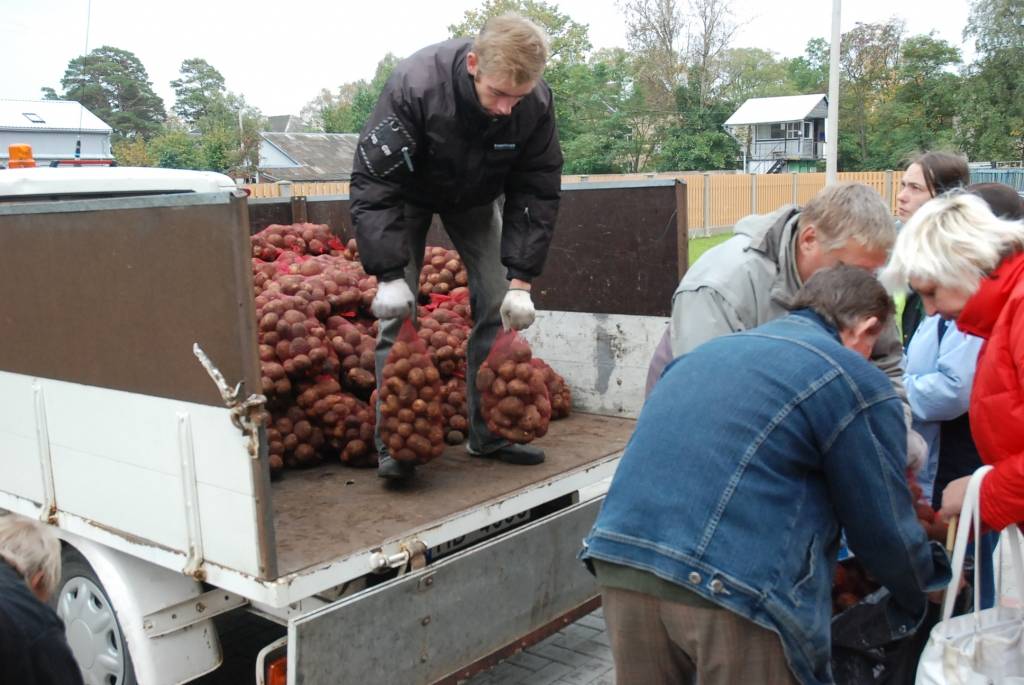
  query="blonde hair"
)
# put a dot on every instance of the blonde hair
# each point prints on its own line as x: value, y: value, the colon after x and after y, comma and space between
x: 953, y: 241
x: 849, y: 210
x: 30, y: 547
x: 513, y: 47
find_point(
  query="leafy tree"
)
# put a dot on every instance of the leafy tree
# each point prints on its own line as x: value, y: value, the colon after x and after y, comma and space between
x: 922, y: 110
x: 752, y: 73
x: 348, y: 110
x: 809, y: 73
x: 113, y: 85
x: 199, y: 92
x: 869, y: 57
x: 992, y: 117
x: 712, y: 31
x: 656, y: 33
x: 174, y: 148
x: 133, y: 152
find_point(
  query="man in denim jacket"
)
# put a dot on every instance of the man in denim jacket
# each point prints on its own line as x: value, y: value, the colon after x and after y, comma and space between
x: 716, y: 545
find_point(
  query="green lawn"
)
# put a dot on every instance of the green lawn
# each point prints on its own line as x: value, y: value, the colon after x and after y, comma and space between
x: 699, y: 246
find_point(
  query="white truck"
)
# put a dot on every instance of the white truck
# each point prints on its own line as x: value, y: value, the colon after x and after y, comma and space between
x: 128, y: 360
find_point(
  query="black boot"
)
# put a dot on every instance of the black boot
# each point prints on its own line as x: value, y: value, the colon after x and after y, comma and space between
x: 394, y: 470
x: 521, y: 455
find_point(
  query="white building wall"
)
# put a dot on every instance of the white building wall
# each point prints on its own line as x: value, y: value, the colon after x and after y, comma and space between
x: 50, y: 145
x: 271, y: 157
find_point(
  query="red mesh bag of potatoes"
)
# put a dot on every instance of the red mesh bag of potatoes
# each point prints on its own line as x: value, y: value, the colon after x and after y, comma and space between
x: 513, y: 393
x: 412, y: 424
x: 558, y: 390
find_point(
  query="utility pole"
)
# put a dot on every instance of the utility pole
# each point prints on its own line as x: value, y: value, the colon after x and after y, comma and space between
x: 832, y: 137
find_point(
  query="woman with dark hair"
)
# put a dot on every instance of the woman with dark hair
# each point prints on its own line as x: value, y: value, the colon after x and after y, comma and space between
x: 929, y: 175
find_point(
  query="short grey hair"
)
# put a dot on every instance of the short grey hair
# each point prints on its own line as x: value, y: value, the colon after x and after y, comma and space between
x: 953, y: 241
x: 30, y: 547
x: 846, y: 211
x: 844, y: 296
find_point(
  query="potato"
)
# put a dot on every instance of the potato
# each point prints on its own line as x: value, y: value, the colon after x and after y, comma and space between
x: 499, y: 388
x: 518, y: 388
x: 512, y: 407
x: 507, y: 370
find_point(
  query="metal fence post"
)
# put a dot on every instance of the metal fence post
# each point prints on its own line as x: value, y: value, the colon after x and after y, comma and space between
x: 285, y: 188
x: 707, y: 204
x: 888, y: 188
x: 794, y: 187
x: 753, y: 193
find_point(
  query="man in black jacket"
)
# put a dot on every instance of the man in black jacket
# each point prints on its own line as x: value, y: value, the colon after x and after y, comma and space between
x: 464, y: 129
x: 33, y: 648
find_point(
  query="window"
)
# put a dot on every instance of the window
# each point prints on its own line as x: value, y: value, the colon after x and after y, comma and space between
x: 793, y: 129
x: 33, y: 117
x: 808, y: 130
x: 778, y: 131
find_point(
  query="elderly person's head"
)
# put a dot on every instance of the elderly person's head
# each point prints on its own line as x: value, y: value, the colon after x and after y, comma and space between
x: 846, y: 223
x: 949, y: 245
x: 852, y: 301
x: 33, y: 550
x: 928, y: 176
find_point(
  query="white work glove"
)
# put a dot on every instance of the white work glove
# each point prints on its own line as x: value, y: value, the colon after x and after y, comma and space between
x: 517, y: 310
x: 394, y: 300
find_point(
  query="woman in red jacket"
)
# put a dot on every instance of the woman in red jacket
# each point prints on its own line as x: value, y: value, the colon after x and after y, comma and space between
x: 968, y: 264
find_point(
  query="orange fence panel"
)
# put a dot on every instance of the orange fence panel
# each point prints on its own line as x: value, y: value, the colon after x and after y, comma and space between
x: 731, y: 196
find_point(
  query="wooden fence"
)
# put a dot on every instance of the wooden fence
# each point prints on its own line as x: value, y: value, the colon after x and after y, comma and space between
x: 715, y: 201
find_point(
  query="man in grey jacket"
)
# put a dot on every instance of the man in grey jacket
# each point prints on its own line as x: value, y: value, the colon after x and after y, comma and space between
x: 749, y: 279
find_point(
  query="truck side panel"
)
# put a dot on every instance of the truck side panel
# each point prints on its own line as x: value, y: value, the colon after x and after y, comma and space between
x: 100, y: 384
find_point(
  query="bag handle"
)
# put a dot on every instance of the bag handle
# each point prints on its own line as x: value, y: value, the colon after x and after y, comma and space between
x: 970, y: 517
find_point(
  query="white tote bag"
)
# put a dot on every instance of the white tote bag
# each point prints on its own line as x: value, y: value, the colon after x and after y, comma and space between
x: 986, y: 646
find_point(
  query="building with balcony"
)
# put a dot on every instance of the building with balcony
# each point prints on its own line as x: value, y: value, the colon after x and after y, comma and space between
x: 780, y: 134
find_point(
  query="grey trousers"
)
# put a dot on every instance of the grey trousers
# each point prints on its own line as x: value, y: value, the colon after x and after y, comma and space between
x: 659, y: 642
x: 476, y: 234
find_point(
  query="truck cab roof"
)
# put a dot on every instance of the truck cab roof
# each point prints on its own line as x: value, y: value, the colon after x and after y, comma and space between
x: 45, y: 184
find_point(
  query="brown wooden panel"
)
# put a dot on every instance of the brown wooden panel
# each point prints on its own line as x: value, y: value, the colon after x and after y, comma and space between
x: 116, y: 297
x: 618, y: 248
x: 334, y: 511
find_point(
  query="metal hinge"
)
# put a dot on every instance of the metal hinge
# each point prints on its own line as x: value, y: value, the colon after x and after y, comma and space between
x: 248, y: 414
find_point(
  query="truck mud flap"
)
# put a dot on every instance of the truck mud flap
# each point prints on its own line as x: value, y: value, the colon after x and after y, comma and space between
x: 428, y: 624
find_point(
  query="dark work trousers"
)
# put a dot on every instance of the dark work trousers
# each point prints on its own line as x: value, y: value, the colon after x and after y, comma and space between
x: 476, y: 234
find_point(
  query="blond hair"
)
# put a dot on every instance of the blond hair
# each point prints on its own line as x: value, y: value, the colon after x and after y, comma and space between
x: 953, y: 241
x: 513, y: 47
x: 843, y: 211
x: 30, y: 547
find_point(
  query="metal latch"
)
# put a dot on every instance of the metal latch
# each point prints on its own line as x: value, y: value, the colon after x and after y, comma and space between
x: 411, y: 556
x: 248, y: 414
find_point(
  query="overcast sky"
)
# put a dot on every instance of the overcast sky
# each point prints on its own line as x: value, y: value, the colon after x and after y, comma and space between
x: 280, y: 54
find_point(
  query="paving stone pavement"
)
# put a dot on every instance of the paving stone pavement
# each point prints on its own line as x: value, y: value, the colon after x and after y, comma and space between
x: 579, y: 654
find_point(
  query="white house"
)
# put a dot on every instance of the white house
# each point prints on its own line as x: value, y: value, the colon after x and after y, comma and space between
x: 52, y: 128
x: 781, y: 133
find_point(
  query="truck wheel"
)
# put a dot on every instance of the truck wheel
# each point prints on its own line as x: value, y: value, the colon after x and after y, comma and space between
x: 91, y: 625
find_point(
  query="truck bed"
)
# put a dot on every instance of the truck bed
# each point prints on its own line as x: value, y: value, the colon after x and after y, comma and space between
x: 332, y: 511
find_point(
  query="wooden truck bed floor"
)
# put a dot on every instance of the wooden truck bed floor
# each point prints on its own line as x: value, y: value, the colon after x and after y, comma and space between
x: 331, y: 511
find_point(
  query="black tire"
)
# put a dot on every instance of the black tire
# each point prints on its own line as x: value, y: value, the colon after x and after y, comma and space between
x: 78, y: 577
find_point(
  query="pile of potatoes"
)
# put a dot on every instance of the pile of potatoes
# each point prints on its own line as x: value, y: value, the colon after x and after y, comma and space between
x: 316, y: 344
x: 300, y: 239
x: 513, y: 393
x: 442, y: 272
